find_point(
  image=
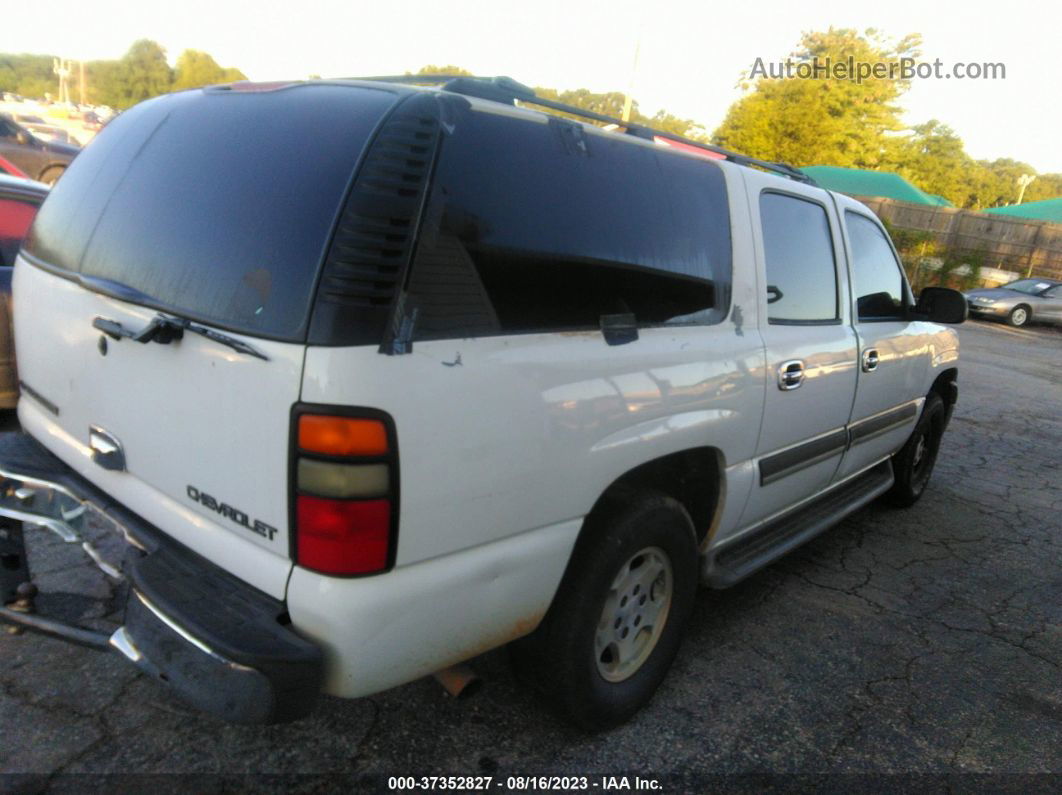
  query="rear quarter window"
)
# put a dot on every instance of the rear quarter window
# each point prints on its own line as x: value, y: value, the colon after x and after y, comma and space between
x: 541, y: 226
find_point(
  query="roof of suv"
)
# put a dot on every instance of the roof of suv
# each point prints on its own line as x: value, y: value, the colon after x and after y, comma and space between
x: 506, y: 91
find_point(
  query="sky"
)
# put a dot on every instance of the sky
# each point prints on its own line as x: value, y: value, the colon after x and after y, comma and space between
x: 690, y: 54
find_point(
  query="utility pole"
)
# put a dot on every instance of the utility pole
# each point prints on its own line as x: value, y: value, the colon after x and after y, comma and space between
x: 1024, y: 181
x: 81, y: 74
x: 62, y: 69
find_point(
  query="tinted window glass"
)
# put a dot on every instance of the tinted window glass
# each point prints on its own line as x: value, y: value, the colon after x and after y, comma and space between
x: 535, y: 226
x: 876, y: 274
x: 801, y: 275
x: 217, y: 205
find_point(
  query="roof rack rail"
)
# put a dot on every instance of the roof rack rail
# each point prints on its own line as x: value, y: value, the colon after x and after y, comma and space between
x: 505, y: 89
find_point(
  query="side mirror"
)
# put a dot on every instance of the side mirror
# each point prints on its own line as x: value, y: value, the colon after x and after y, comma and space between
x: 942, y: 305
x: 22, y: 137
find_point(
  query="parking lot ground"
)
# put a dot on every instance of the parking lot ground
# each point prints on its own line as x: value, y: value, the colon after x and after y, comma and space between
x: 903, y: 649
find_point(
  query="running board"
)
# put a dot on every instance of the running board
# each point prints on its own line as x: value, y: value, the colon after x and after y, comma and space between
x: 735, y: 560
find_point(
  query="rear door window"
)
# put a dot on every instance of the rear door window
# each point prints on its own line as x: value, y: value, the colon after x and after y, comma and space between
x: 536, y: 225
x: 216, y: 205
x: 801, y: 270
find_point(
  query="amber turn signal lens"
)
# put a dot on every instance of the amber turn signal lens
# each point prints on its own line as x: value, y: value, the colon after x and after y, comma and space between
x: 342, y: 435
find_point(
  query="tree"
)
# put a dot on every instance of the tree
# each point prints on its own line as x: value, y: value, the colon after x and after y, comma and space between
x: 431, y: 69
x: 106, y: 82
x: 28, y: 75
x: 933, y: 158
x: 145, y: 72
x: 1046, y: 186
x: 196, y: 69
x: 609, y: 103
x: 806, y: 117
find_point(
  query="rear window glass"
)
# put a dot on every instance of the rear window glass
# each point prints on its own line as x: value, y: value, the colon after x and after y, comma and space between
x: 212, y: 204
x: 540, y: 226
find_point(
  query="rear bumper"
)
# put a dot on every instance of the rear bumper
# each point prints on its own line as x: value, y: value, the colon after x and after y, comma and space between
x: 219, y: 644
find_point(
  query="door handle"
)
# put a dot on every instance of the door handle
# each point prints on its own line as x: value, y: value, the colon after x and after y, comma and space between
x: 870, y: 360
x: 790, y: 375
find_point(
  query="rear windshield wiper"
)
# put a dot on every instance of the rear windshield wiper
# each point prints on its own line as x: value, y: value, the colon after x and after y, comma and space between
x: 164, y: 329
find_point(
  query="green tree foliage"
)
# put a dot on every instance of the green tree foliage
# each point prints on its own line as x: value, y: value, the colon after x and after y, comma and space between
x: 609, y: 103
x: 827, y: 118
x: 146, y: 72
x: 28, y: 75
x: 431, y: 69
x: 105, y: 83
x: 1046, y: 186
x: 933, y: 159
x: 140, y: 74
x: 843, y: 121
x: 196, y: 69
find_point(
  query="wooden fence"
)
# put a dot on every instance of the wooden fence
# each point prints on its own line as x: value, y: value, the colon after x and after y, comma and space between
x: 1021, y: 245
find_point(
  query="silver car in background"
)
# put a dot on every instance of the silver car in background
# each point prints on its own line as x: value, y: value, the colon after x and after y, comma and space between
x: 1020, y: 302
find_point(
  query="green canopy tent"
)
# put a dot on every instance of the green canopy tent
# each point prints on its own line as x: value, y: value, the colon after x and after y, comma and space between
x: 858, y: 182
x: 1046, y: 210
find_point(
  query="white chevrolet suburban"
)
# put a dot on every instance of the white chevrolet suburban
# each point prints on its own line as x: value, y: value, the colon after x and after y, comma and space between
x: 374, y: 377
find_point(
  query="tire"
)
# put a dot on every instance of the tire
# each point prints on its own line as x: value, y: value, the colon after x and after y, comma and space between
x: 913, y: 464
x: 619, y: 615
x: 51, y: 174
x: 1018, y: 316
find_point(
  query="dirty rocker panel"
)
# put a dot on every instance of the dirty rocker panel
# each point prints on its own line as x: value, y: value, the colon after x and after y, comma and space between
x: 735, y: 560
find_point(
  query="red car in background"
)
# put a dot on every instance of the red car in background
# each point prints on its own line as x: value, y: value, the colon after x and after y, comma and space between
x: 9, y: 168
x: 19, y: 200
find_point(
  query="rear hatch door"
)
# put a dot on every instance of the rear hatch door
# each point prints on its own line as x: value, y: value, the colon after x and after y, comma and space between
x: 209, y: 210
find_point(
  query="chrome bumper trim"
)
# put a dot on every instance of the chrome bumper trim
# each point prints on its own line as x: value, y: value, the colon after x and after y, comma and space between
x: 42, y: 503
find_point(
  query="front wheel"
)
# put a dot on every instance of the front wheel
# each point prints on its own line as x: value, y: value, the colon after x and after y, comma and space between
x: 1018, y: 316
x: 619, y: 615
x: 913, y: 464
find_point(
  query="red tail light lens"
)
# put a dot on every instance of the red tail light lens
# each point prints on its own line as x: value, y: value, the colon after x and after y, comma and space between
x: 344, y: 479
x: 343, y: 536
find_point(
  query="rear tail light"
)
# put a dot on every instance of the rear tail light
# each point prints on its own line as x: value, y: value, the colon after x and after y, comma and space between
x: 345, y: 494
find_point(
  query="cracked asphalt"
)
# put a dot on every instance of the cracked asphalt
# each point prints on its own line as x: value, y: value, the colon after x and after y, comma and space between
x: 917, y: 649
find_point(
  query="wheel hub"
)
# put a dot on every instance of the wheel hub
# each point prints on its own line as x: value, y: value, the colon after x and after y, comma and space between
x: 920, y: 452
x: 634, y: 614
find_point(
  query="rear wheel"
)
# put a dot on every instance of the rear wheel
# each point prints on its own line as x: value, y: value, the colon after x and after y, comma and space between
x: 913, y: 464
x: 1018, y: 316
x: 619, y: 614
